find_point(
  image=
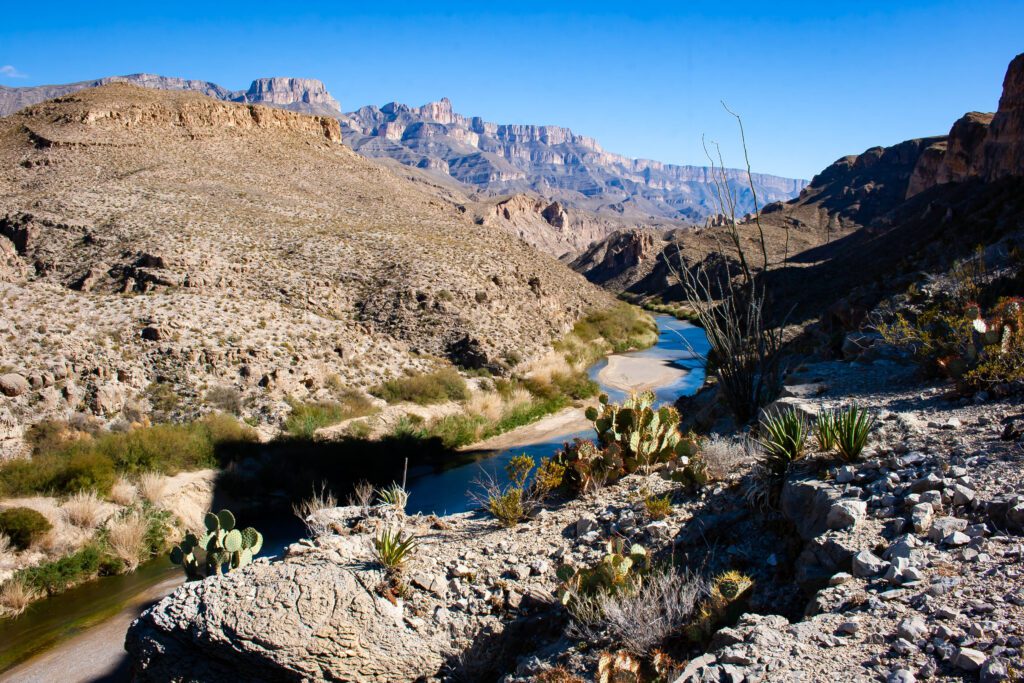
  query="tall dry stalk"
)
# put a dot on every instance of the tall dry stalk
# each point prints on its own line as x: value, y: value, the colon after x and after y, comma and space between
x: 744, y: 346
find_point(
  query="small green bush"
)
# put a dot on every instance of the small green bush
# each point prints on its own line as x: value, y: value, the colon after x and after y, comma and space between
x: 57, y: 576
x: 85, y: 470
x: 658, y: 507
x: 394, y: 549
x: 825, y: 430
x: 227, y: 399
x: 424, y: 389
x: 24, y: 526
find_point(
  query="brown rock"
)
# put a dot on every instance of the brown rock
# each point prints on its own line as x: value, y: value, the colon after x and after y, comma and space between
x: 1004, y: 146
x: 13, y: 384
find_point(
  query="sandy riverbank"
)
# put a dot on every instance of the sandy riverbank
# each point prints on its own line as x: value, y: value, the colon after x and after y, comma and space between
x: 626, y: 373
x: 637, y: 373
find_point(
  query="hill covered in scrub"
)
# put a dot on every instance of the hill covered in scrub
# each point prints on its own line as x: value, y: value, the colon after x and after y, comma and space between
x: 168, y: 240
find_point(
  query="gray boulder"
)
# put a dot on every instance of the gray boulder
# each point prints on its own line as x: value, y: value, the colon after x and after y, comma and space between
x: 317, y: 620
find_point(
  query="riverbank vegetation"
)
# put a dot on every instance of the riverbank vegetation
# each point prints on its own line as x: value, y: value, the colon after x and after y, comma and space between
x: 107, y: 495
x: 66, y: 460
x: 495, y: 405
x: 118, y: 544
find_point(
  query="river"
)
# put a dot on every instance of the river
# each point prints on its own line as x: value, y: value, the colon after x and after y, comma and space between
x: 78, y: 635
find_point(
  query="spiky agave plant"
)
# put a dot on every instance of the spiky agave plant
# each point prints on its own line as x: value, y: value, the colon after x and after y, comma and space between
x: 825, y: 430
x: 395, y: 496
x: 784, y: 438
x: 852, y: 427
x: 394, y: 548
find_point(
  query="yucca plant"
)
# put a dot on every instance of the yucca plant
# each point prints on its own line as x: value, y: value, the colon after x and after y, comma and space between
x: 825, y: 430
x: 393, y: 548
x: 852, y: 428
x: 395, y: 496
x: 783, y: 437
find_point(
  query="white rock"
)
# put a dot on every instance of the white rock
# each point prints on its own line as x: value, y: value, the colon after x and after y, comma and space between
x: 866, y: 563
x: 968, y: 659
x: 845, y: 513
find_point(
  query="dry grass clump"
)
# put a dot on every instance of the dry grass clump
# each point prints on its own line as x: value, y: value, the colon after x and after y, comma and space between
x: 549, y: 366
x: 726, y: 457
x: 640, y: 619
x: 485, y: 404
x: 123, y: 492
x: 15, y: 597
x: 309, y: 510
x: 83, y: 510
x: 153, y: 487
x: 126, y: 536
x: 191, y: 512
x: 362, y: 494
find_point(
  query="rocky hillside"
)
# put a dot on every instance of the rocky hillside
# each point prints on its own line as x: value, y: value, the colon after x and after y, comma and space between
x: 305, y: 95
x: 861, y: 217
x: 153, y: 237
x: 500, y: 160
x: 548, y: 160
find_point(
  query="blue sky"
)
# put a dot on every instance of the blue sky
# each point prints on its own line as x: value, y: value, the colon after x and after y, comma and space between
x: 813, y: 81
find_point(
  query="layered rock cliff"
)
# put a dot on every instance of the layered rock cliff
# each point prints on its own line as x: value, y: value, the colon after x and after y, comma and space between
x: 549, y: 160
x: 305, y: 95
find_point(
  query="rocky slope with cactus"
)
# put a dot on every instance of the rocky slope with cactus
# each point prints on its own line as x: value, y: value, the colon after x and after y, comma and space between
x: 900, y: 562
x: 152, y: 238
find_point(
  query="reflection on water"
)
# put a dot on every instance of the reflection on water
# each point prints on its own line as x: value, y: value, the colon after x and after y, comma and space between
x: 679, y: 344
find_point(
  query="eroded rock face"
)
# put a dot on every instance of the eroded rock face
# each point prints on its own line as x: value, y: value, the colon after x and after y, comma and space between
x: 979, y: 146
x: 316, y: 620
x: 1004, y: 146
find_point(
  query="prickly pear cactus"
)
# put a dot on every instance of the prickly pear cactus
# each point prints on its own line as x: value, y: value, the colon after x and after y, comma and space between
x: 645, y: 436
x: 222, y: 544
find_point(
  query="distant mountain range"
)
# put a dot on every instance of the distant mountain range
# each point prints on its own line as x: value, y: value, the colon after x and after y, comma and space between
x: 496, y: 158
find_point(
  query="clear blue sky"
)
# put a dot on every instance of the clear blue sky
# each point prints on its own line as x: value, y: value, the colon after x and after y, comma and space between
x: 813, y: 81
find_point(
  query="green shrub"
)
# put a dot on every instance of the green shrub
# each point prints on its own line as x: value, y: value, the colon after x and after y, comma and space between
x: 424, y: 389
x: 853, y: 426
x: 93, y: 463
x: 24, y: 526
x: 624, y: 326
x: 227, y: 399
x: 57, y: 576
x: 783, y: 438
x: 85, y: 470
x: 456, y: 431
x: 658, y: 507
